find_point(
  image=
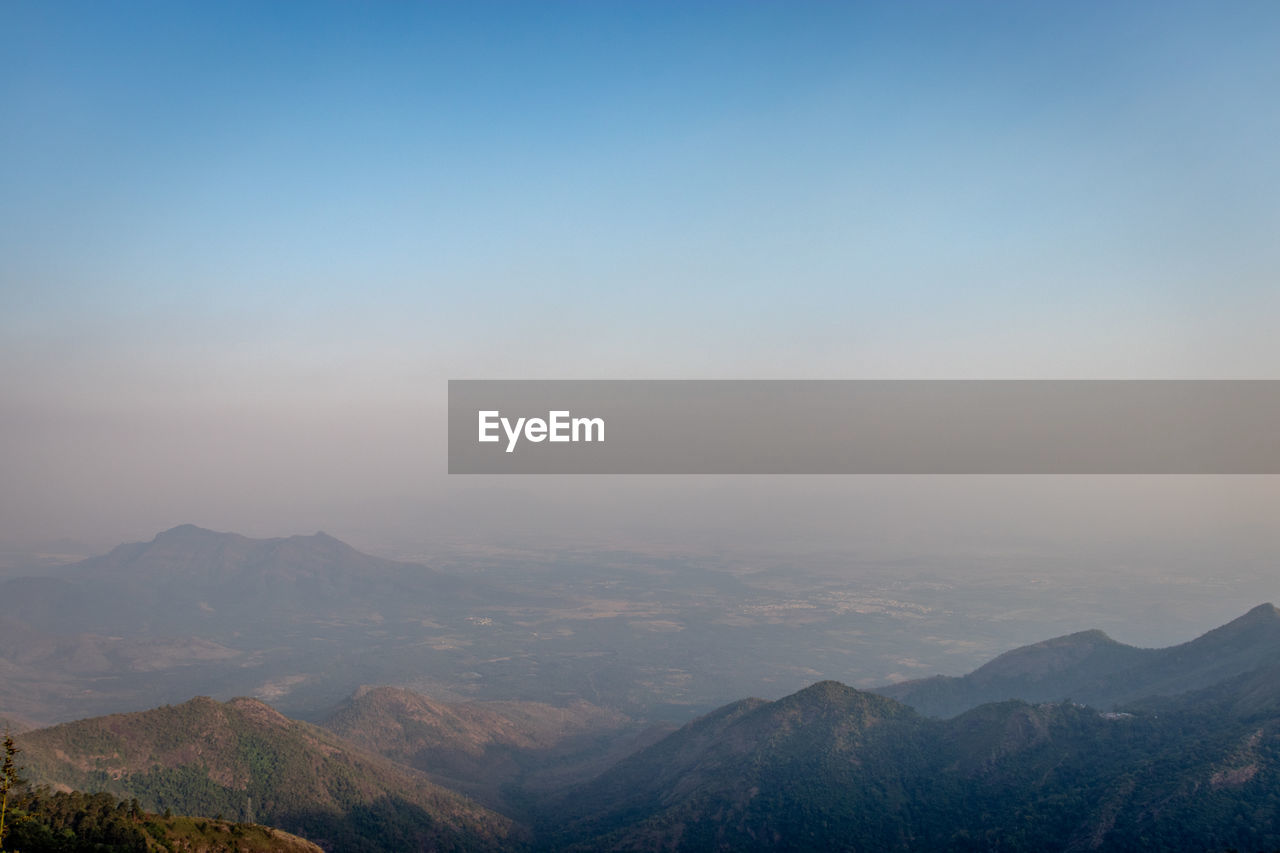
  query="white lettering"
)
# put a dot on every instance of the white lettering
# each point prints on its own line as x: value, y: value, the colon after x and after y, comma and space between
x: 513, y: 435
x: 558, y: 427
x: 487, y: 423
x: 593, y: 427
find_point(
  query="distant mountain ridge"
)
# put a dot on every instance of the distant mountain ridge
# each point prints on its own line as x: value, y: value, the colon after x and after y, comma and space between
x: 198, y: 611
x: 1091, y: 668
x: 189, y: 577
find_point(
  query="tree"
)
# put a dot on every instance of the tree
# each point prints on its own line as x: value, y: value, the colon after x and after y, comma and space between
x: 9, y: 779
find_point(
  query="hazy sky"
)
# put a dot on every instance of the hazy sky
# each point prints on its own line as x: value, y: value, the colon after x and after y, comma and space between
x: 243, y: 245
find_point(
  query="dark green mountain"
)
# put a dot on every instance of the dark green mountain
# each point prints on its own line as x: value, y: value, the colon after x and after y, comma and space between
x: 243, y: 760
x: 1254, y: 694
x: 831, y: 768
x: 1094, y: 669
x: 742, y: 777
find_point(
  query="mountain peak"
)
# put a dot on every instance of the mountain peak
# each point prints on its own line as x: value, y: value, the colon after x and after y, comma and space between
x: 320, y: 541
x: 831, y: 700
x: 259, y: 712
x: 1047, y: 657
x: 826, y: 691
x: 1261, y: 621
x: 191, y: 533
x: 1263, y: 612
x: 185, y: 532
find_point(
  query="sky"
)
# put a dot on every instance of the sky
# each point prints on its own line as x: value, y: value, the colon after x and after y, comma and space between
x: 243, y: 246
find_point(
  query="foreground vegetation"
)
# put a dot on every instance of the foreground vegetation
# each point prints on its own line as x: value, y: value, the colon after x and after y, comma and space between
x: 46, y: 821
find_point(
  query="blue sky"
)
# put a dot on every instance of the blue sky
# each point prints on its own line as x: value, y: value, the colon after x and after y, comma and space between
x: 227, y: 225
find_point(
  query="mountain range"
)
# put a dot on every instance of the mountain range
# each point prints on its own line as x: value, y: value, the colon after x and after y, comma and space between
x: 1074, y: 743
x: 1091, y: 668
x: 826, y: 768
x: 833, y: 768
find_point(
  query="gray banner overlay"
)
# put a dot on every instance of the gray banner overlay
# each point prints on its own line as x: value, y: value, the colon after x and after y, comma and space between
x: 863, y: 427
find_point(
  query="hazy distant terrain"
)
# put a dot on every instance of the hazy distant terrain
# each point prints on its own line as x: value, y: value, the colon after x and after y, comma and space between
x: 302, y: 622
